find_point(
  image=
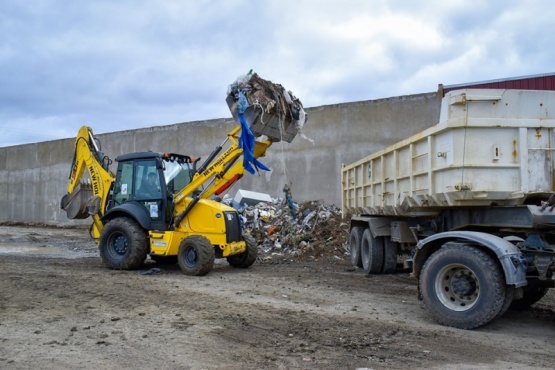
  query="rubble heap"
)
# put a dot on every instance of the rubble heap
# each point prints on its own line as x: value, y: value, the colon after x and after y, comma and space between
x: 308, y: 231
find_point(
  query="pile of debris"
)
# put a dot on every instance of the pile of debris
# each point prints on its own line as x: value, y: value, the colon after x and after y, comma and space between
x: 306, y: 231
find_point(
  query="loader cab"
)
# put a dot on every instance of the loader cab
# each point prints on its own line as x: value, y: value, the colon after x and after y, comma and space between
x: 145, y: 184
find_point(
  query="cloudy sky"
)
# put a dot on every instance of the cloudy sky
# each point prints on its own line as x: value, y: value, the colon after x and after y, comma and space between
x: 118, y: 65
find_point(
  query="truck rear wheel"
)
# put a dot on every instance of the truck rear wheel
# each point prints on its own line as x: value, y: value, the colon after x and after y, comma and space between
x: 371, y: 253
x: 196, y: 255
x: 462, y: 286
x: 248, y: 257
x: 354, y: 245
x: 123, y: 244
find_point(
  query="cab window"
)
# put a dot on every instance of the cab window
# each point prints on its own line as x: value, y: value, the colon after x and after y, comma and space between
x: 123, y: 188
x: 147, y: 181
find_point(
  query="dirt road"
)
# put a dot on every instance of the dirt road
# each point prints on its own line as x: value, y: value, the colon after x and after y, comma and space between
x: 60, y: 308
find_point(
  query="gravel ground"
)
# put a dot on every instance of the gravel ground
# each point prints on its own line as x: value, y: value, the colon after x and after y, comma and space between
x: 60, y: 308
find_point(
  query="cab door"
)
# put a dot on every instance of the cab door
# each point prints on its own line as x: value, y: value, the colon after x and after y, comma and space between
x: 141, y: 181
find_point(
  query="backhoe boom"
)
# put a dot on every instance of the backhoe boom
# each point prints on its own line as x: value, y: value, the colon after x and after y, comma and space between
x: 77, y: 202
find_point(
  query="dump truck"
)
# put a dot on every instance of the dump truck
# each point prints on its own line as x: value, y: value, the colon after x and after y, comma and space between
x: 466, y: 205
x: 165, y: 205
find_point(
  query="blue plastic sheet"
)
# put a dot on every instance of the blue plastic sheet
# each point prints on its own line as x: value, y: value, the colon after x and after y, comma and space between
x: 246, y: 141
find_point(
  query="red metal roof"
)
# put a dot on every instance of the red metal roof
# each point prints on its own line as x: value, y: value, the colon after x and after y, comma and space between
x: 536, y: 82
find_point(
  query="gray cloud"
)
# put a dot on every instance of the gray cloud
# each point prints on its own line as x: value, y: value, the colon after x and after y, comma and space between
x: 129, y: 64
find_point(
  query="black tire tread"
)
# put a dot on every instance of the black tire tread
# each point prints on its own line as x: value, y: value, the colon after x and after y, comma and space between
x: 205, y: 252
x: 137, y: 240
x: 355, y: 240
x: 371, y: 253
x: 475, y: 317
x: 389, y: 255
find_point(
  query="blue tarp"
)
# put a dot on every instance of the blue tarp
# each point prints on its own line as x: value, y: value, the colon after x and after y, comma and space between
x: 246, y: 141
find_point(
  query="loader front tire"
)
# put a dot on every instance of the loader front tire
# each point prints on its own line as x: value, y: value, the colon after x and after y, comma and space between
x: 462, y: 286
x: 123, y: 244
x: 196, y: 255
x: 248, y: 257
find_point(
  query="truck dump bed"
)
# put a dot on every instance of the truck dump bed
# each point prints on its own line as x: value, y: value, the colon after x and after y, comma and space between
x: 491, y: 147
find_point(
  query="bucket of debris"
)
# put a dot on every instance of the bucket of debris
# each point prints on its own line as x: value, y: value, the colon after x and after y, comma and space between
x: 268, y: 108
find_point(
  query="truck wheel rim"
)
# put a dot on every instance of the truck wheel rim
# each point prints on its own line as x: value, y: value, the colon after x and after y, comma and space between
x: 457, y: 287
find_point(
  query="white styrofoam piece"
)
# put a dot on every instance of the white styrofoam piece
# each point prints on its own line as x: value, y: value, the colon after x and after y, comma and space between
x: 251, y: 198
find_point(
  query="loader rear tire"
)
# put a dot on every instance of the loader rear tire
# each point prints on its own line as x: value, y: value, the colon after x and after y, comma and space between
x: 248, y: 257
x: 123, y: 244
x: 196, y: 255
x: 462, y: 286
x: 371, y: 253
x: 354, y: 245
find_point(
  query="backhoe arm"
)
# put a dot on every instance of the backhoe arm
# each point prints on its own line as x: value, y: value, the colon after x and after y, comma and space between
x: 83, y: 199
x: 217, y: 175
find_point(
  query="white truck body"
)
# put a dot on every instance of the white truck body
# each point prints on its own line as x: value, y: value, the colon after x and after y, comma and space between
x: 491, y: 147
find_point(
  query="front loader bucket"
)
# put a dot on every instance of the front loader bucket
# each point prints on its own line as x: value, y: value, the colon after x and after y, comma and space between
x: 75, y: 203
x: 272, y: 110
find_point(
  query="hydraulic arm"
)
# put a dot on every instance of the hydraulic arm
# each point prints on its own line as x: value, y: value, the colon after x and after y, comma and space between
x: 78, y: 202
x: 217, y: 174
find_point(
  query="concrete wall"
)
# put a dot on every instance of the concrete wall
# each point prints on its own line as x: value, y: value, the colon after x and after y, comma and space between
x: 33, y: 177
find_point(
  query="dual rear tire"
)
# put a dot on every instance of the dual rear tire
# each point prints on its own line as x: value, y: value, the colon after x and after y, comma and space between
x: 374, y: 254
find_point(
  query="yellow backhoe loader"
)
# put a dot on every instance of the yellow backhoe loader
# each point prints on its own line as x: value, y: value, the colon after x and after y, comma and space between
x: 161, y: 204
